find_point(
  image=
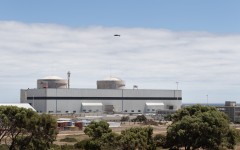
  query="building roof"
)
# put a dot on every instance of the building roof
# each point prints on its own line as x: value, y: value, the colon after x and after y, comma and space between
x: 111, y: 78
x: 53, y: 77
x: 21, y: 105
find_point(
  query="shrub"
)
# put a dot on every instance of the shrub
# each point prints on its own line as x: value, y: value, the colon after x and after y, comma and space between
x: 67, y: 147
x: 4, y: 147
x: 140, y: 118
x: 160, y: 140
x: 68, y: 139
x: 81, y: 144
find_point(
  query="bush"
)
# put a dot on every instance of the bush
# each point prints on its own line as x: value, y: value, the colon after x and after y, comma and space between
x: 67, y: 147
x: 140, y: 118
x: 160, y: 140
x: 92, y: 145
x: 151, y: 122
x: 124, y: 118
x: 81, y: 144
x: 4, y: 147
x: 137, y: 138
x: 68, y: 139
x: 201, y: 127
x: 55, y: 147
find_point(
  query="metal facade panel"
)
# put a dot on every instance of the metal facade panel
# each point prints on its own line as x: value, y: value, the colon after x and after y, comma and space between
x: 106, y: 93
x: 150, y: 93
x: 39, y: 105
x: 131, y: 104
x: 84, y: 93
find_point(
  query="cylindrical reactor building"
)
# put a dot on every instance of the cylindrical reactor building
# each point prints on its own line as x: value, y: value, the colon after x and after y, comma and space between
x: 52, y: 82
x: 110, y: 83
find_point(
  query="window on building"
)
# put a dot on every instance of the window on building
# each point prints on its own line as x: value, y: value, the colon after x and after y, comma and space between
x: 139, y: 110
x: 132, y: 111
x: 66, y: 111
x: 90, y: 110
x: 148, y: 109
x: 125, y: 111
x: 50, y: 111
x: 153, y: 109
x: 74, y: 111
x: 84, y: 110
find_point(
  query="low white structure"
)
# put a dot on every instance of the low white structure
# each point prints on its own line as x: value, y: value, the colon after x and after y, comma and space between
x: 20, y: 105
x: 152, y: 107
x: 92, y: 107
x: 116, y: 100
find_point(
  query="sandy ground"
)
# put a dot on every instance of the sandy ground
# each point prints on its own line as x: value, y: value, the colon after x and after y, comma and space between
x: 79, y: 135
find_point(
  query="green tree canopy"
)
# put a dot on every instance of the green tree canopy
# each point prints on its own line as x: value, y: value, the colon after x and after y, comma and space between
x: 97, y: 129
x: 102, y: 136
x: 22, y: 128
x: 200, y: 127
x: 140, y: 118
x: 137, y: 138
x: 125, y: 118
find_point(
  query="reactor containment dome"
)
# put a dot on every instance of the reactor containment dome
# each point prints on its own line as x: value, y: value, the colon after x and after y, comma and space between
x: 52, y: 82
x: 111, y: 83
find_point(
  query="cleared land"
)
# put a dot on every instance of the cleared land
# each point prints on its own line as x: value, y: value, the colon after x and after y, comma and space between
x: 80, y: 135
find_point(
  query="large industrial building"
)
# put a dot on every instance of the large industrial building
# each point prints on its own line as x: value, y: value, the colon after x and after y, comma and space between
x: 54, y: 95
x: 232, y: 110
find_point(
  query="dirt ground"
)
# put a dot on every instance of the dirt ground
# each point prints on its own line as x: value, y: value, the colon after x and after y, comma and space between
x: 79, y: 135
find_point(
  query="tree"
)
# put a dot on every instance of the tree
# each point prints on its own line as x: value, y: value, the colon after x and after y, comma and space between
x: 137, y: 138
x: 97, y: 129
x: 102, y: 136
x: 160, y: 140
x: 125, y: 118
x: 22, y: 128
x: 200, y: 127
x: 140, y: 118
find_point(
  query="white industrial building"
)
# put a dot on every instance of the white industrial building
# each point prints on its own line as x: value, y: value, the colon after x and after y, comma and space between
x: 54, y: 95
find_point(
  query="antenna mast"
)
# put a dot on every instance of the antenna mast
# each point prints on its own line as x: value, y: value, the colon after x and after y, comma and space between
x: 68, y: 74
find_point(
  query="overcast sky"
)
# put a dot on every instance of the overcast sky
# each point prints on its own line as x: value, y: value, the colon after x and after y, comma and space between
x: 161, y: 43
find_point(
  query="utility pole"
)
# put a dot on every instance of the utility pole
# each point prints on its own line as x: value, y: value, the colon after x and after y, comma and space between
x: 207, y: 99
x: 56, y: 96
x: 68, y: 73
x: 177, y: 90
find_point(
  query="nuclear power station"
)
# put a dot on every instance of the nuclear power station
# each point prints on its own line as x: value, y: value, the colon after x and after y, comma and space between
x: 54, y: 95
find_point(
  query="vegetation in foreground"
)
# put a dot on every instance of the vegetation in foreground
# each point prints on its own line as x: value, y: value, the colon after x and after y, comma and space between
x: 192, y: 127
x: 24, y: 129
x: 201, y: 127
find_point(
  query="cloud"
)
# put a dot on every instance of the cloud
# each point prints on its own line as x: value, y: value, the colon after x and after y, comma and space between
x: 201, y: 62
